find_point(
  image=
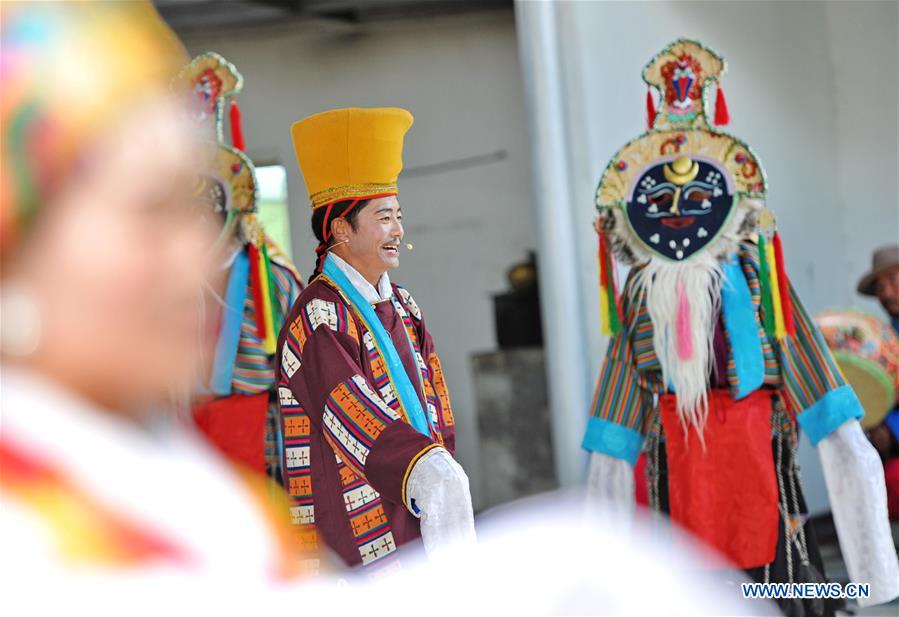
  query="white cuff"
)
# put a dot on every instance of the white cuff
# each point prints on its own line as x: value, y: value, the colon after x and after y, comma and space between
x: 854, y: 477
x: 438, y: 489
x: 414, y: 479
x: 610, y: 485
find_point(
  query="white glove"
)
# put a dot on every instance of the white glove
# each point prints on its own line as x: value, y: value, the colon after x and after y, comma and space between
x: 854, y: 477
x: 437, y: 492
x: 610, y: 486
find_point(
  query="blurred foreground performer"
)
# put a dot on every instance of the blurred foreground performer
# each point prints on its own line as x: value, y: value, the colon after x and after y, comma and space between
x: 714, y: 357
x: 103, y: 263
x: 585, y: 569
x: 253, y: 289
x: 368, y: 428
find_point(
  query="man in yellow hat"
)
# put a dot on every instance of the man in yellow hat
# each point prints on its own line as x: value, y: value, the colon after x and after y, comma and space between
x: 368, y: 427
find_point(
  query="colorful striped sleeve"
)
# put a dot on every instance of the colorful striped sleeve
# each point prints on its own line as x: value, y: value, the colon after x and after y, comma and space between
x: 288, y: 286
x: 621, y: 405
x: 813, y: 384
x: 624, y: 401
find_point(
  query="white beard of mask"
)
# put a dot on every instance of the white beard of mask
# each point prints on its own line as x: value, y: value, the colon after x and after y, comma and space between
x: 700, y: 277
x: 663, y: 283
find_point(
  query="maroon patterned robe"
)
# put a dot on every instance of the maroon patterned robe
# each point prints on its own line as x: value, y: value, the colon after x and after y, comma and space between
x: 347, y: 448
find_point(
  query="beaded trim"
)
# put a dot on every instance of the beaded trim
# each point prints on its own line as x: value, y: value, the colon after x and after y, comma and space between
x: 351, y: 191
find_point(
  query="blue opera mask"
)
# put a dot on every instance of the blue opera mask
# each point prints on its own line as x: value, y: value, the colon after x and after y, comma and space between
x: 679, y: 205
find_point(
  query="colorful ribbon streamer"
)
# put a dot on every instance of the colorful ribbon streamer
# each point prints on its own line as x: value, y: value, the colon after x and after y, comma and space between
x: 609, y: 310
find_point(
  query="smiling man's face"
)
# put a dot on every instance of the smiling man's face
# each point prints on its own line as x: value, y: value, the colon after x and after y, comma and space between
x: 373, y: 246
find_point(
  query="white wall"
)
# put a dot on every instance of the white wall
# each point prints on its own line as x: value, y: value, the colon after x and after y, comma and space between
x: 459, y: 76
x: 811, y: 86
x: 865, y: 56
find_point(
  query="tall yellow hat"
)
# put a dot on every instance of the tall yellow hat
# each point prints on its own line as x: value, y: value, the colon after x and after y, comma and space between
x: 351, y: 153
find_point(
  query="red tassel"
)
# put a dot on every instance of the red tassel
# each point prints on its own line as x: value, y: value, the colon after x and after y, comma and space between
x: 650, y: 109
x: 236, y: 127
x: 613, y: 288
x: 612, y: 277
x: 256, y: 289
x: 603, y: 265
x: 607, y: 282
x: 786, y: 301
x: 722, y: 116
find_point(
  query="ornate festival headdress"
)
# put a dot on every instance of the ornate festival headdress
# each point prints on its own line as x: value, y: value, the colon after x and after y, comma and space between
x: 230, y: 187
x: 676, y: 202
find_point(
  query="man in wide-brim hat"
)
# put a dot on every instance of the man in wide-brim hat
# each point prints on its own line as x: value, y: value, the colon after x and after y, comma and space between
x: 882, y: 281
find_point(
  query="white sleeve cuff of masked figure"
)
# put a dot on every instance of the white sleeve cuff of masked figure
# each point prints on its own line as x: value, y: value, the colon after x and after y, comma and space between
x: 854, y: 477
x: 610, y: 485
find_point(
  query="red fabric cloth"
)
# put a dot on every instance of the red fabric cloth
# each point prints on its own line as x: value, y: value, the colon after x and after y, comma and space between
x: 236, y: 426
x: 726, y: 492
x: 891, y: 475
